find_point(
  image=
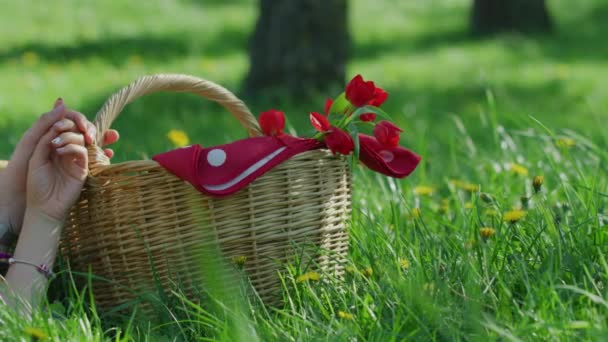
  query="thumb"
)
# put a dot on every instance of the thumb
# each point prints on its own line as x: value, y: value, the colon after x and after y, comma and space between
x: 27, y: 144
x: 42, y: 152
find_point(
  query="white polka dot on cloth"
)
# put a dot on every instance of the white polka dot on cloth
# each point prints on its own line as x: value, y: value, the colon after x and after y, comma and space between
x: 216, y: 157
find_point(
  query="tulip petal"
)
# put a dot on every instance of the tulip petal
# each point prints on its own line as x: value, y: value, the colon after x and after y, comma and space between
x: 367, y: 117
x: 328, y: 104
x: 379, y: 97
x: 359, y: 92
x: 387, y: 133
x: 319, y: 122
x: 338, y: 141
x: 272, y: 122
x: 396, y: 161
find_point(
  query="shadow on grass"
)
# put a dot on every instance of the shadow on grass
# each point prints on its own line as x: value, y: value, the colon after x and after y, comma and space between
x: 116, y: 50
x: 578, y: 39
x: 581, y: 39
x: 410, y: 44
x: 424, y: 112
x: 145, y: 123
x: 214, y: 3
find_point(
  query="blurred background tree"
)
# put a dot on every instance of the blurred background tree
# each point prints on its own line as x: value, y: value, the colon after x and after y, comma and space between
x: 493, y: 16
x: 301, y: 46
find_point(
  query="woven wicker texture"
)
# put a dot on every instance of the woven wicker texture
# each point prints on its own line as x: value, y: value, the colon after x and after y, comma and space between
x: 135, y: 214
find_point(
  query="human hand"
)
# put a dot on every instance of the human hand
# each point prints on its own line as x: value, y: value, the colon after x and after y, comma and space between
x: 13, y: 178
x: 56, y: 171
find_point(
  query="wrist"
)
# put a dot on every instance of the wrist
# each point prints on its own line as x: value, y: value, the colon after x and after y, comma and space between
x: 39, y: 237
x: 35, y: 217
x: 34, y: 255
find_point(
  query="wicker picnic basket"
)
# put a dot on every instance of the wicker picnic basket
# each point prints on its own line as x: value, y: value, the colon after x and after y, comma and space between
x: 135, y: 222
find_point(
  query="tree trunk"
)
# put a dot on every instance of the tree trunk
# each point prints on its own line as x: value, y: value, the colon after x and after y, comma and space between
x: 299, y: 45
x: 526, y: 16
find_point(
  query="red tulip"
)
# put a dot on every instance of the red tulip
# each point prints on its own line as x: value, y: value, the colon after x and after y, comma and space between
x: 391, y: 161
x: 379, y: 97
x: 319, y: 122
x: 359, y: 92
x: 328, y: 104
x: 272, y: 122
x: 387, y: 133
x: 367, y: 117
x: 339, y: 141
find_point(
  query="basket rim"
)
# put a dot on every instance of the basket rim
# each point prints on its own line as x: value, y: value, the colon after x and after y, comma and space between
x: 149, y: 163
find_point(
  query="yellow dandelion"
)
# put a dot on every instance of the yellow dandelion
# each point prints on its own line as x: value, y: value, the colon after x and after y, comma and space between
x: 514, y: 215
x: 565, y: 142
x: 518, y: 169
x: 308, y: 276
x: 53, y: 68
x: 75, y: 64
x: 207, y: 64
x: 562, y: 71
x: 423, y: 190
x: 178, y: 137
x: 345, y: 315
x: 239, y: 260
x: 429, y: 287
x: 36, y: 334
x: 487, y: 232
x: 470, y: 244
x: 537, y: 183
x: 468, y: 205
x: 466, y: 186
x: 415, y: 213
x: 491, y: 212
x: 29, y: 58
x: 349, y: 269
x: 135, y: 60
x: 368, y: 272
x: 444, y: 205
x: 404, y: 263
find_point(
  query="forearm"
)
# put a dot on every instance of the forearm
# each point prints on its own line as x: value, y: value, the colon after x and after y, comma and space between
x: 37, y: 244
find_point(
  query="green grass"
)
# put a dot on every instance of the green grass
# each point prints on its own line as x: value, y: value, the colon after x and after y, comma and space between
x: 469, y: 107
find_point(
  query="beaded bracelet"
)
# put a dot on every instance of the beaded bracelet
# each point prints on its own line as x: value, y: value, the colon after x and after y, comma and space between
x: 42, y: 268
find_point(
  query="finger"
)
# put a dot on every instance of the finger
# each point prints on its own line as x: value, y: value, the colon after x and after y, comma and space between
x: 78, y: 154
x: 110, y: 137
x: 109, y: 152
x: 26, y: 146
x: 42, y: 152
x: 83, y: 125
x: 68, y: 138
x: 64, y: 125
x: 91, y: 132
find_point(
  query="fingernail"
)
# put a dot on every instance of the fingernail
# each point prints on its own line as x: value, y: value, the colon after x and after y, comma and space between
x: 56, y: 141
x: 59, y: 124
x: 61, y: 149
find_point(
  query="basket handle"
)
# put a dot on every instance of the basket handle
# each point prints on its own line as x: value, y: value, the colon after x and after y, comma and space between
x: 167, y: 82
